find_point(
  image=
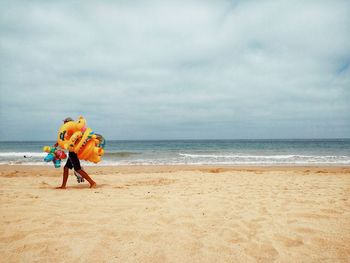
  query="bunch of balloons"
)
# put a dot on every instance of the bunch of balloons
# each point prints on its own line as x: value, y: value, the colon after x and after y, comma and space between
x: 54, y: 155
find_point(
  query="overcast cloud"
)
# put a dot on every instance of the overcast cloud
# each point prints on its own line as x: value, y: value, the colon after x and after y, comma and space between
x: 176, y: 69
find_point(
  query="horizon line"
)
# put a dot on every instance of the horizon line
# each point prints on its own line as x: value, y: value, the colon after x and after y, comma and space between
x: 242, y: 139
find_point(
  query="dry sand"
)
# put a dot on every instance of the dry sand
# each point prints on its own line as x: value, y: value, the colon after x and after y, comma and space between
x: 176, y: 214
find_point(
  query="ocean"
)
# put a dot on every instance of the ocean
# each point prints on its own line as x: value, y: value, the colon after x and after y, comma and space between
x: 198, y: 152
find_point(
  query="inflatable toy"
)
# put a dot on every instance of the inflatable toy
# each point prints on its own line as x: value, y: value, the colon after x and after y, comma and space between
x: 80, y: 179
x: 54, y: 155
x: 74, y: 136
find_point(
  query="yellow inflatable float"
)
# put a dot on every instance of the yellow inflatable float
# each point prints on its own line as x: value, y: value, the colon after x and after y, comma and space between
x: 74, y: 136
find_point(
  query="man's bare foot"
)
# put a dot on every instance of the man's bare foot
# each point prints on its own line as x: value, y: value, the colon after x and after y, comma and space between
x: 93, y: 185
x: 61, y: 187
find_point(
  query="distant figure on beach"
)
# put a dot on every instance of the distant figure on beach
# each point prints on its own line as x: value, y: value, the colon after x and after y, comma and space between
x: 73, y: 162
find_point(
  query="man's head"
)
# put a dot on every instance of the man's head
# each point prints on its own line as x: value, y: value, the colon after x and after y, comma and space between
x: 68, y: 119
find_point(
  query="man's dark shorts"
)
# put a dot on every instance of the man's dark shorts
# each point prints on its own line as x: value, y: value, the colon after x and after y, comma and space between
x: 73, y: 161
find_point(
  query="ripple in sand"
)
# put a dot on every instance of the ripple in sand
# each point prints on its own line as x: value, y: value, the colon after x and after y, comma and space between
x: 289, y: 242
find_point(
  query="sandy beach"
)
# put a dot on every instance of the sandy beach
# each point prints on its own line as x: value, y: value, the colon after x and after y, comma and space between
x: 176, y: 214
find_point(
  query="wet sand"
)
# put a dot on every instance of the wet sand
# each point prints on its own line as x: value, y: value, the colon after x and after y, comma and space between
x: 176, y: 214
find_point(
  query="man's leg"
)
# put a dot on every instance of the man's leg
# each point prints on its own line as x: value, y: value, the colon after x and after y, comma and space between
x: 87, y: 177
x: 76, y: 164
x: 65, y: 178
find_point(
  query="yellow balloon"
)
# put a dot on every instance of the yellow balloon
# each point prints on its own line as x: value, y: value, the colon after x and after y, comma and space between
x: 47, y: 149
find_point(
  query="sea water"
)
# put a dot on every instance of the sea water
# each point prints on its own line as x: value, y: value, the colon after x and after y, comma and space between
x: 198, y: 152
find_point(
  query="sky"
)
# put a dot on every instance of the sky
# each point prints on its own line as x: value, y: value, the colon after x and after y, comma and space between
x: 176, y: 69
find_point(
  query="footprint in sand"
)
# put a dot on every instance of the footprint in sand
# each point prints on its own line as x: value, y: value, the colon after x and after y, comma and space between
x: 44, y: 185
x: 289, y: 242
x: 332, y: 211
x: 166, y: 220
x: 291, y: 221
x: 151, y: 237
x: 232, y: 236
x: 305, y: 230
x: 311, y: 216
x: 13, y: 238
x: 264, y: 252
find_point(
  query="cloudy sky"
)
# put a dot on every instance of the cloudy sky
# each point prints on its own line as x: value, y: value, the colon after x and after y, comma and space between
x: 176, y: 69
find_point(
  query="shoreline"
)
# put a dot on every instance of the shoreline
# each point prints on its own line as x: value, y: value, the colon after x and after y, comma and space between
x: 176, y: 168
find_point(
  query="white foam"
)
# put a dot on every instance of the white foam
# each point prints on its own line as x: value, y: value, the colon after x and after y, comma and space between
x: 261, y: 156
x: 22, y: 154
x: 36, y: 158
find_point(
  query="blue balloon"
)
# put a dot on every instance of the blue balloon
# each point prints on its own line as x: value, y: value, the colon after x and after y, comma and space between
x: 57, y: 163
x: 49, y: 157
